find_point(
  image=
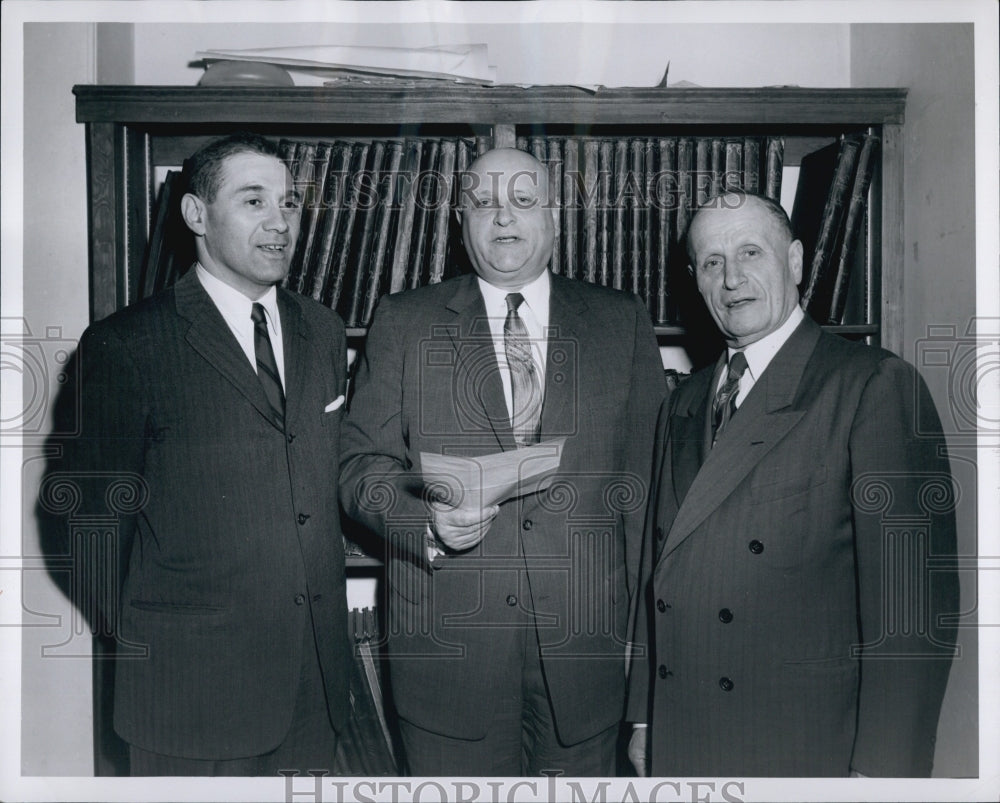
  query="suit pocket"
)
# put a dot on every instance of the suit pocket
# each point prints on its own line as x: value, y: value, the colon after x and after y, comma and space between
x: 770, y: 486
x: 176, y: 609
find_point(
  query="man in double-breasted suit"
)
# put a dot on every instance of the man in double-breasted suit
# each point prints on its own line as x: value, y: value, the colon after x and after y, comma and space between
x: 507, y: 626
x: 220, y: 401
x: 796, y: 571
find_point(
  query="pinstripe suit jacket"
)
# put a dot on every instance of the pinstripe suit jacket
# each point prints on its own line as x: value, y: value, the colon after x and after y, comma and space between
x: 565, y: 559
x: 238, y: 535
x: 792, y: 620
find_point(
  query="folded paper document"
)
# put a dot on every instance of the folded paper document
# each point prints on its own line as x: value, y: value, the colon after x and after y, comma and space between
x: 481, y: 482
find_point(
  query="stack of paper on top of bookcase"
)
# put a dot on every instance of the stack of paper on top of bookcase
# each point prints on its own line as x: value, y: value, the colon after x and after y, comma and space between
x: 474, y: 483
x: 315, y: 64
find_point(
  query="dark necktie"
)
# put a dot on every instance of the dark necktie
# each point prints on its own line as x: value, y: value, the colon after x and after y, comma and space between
x: 526, y: 390
x: 267, y: 367
x: 725, y: 400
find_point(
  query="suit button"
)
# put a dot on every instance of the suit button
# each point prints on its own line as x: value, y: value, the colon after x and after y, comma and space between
x: 726, y: 684
x: 290, y: 437
x: 659, y: 533
x: 511, y: 600
x: 755, y: 546
x: 725, y: 616
x: 303, y: 518
x: 661, y: 606
x: 528, y: 524
x: 300, y: 599
x: 662, y: 671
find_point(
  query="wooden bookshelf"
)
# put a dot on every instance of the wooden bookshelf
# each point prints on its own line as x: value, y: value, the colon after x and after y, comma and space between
x: 133, y: 130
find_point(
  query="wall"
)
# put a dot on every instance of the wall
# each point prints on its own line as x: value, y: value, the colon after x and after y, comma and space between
x: 524, y: 53
x: 936, y: 63
x: 55, y: 691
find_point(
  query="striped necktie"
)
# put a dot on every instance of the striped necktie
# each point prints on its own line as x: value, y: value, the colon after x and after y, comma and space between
x: 526, y: 390
x: 725, y: 400
x: 267, y: 367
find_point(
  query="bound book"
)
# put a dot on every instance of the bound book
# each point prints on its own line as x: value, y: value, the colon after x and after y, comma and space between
x: 818, y: 277
x: 853, y: 225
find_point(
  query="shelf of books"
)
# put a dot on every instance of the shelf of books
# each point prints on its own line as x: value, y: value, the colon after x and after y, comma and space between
x: 380, y: 171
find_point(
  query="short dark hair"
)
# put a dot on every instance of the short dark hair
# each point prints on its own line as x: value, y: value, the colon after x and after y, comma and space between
x: 203, y: 169
x: 717, y: 201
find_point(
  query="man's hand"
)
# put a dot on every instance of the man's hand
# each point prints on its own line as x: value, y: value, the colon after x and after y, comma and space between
x: 637, y: 750
x: 461, y: 528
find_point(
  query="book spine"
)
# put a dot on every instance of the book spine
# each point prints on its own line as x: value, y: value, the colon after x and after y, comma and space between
x: 617, y: 203
x: 704, y: 177
x: 335, y: 297
x: 334, y: 196
x: 636, y: 206
x: 303, y: 177
x: 774, y: 168
x: 666, y: 193
x: 313, y: 210
x: 387, y: 212
x: 591, y: 188
x: 649, y: 221
x: 555, y: 201
x: 605, y: 199
x: 734, y: 164
x: 751, y: 164
x: 718, y: 166
x: 442, y: 214
x: 156, y: 264
x: 853, y: 223
x: 427, y: 194
x: 818, y: 286
x: 685, y: 167
x: 408, y: 207
x: 570, y: 206
x: 368, y: 203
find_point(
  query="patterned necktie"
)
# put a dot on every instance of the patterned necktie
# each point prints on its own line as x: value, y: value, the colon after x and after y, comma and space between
x: 267, y: 367
x: 526, y: 390
x: 725, y: 399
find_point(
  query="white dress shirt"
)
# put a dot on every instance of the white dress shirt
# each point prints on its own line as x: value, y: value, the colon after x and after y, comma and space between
x: 235, y: 308
x: 534, y: 311
x: 760, y: 353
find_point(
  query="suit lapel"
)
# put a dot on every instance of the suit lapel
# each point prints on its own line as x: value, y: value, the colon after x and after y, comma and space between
x: 476, y: 361
x: 294, y: 336
x: 567, y: 323
x: 211, y: 337
x: 764, y: 418
x: 687, y: 433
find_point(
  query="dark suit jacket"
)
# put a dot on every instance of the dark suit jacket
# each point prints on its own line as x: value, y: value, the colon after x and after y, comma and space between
x: 566, y: 558
x: 237, y: 535
x: 818, y: 523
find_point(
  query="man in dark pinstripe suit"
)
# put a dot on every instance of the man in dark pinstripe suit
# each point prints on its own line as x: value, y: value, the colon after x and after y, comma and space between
x: 222, y: 397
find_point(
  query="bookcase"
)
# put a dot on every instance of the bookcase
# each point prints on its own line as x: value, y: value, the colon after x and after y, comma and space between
x: 134, y: 133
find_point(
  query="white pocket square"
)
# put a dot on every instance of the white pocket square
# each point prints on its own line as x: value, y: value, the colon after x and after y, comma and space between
x: 334, y: 404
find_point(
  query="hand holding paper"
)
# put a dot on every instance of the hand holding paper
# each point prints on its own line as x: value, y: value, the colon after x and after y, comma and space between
x: 478, y: 483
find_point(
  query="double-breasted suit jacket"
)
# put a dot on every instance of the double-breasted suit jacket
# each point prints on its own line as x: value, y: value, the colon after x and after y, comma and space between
x: 796, y: 573
x: 564, y: 560
x: 237, y: 536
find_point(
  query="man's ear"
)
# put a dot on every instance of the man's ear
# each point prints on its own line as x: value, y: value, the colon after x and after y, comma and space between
x: 795, y: 260
x: 193, y: 212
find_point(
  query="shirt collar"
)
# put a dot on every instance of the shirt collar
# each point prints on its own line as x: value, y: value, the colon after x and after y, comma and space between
x: 760, y: 353
x: 536, y: 295
x: 233, y: 305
